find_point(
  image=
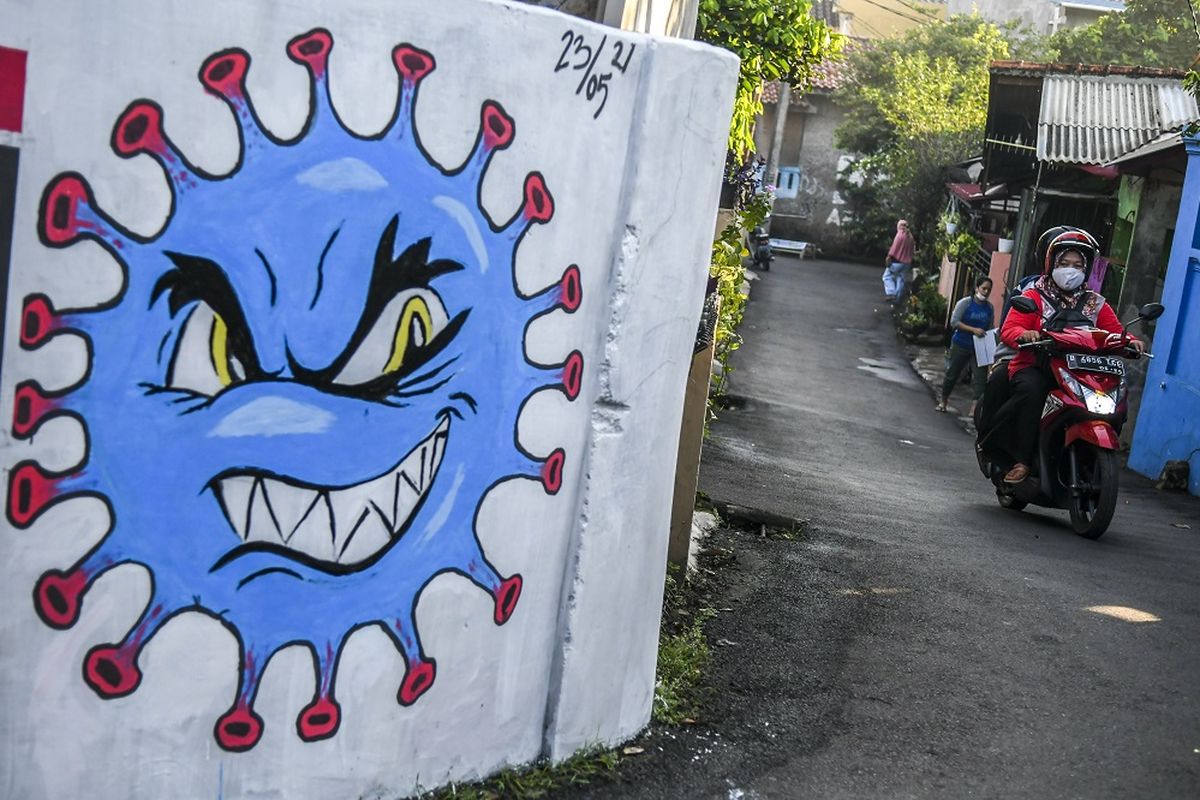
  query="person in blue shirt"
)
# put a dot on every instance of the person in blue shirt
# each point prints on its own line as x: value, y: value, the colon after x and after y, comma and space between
x: 973, y: 316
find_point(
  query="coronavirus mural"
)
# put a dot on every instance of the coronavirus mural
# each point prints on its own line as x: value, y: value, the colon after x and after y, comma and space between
x: 307, y: 385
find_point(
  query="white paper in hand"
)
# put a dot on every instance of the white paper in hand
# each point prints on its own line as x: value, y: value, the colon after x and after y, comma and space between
x: 985, y: 348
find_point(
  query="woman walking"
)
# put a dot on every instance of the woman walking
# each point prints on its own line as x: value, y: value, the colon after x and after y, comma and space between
x: 973, y: 317
x: 898, y: 262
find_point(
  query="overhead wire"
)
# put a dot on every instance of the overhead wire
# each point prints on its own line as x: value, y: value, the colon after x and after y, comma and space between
x: 934, y: 16
x: 869, y: 27
x: 898, y: 13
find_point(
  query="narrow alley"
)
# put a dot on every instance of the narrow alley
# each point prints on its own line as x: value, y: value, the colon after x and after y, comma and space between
x: 917, y: 639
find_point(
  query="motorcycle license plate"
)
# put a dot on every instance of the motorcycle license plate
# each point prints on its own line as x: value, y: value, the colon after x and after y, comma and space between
x: 1107, y: 364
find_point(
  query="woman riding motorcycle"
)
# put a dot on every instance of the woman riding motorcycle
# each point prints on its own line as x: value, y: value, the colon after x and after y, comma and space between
x: 1062, y: 302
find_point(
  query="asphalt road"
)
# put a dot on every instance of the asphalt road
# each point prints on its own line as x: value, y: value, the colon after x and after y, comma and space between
x: 918, y: 640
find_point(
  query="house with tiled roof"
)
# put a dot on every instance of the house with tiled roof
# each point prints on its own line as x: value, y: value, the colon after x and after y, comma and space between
x: 805, y: 168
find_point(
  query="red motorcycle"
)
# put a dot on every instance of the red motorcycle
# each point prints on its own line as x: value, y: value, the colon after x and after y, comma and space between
x: 1076, y: 464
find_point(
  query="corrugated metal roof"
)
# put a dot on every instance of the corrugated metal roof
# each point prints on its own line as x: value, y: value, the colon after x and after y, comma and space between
x: 1164, y: 142
x: 1088, y: 119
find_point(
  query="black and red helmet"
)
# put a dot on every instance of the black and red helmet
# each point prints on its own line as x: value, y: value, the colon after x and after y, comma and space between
x: 1065, y: 237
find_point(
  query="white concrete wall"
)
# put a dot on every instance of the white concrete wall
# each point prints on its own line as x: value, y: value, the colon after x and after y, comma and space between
x: 1037, y: 14
x: 268, y: 672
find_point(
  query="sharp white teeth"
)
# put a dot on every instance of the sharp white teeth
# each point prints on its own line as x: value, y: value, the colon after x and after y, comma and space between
x: 370, y: 535
x: 381, y: 500
x: 343, y: 525
x: 235, y: 498
x: 438, y: 445
x: 406, y: 499
x: 290, y: 504
x: 314, y: 533
x: 261, y: 525
x: 350, y: 506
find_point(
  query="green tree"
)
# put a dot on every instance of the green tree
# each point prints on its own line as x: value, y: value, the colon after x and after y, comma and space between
x: 777, y: 40
x: 1149, y: 33
x: 914, y: 106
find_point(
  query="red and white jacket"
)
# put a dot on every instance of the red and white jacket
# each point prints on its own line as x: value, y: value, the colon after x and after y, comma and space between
x: 1092, y: 307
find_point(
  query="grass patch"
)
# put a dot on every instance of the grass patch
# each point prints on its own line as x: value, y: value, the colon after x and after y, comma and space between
x: 583, y: 768
x: 683, y: 655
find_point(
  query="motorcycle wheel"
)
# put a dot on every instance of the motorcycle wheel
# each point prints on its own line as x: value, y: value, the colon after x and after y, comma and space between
x: 1091, y: 513
x: 1008, y: 501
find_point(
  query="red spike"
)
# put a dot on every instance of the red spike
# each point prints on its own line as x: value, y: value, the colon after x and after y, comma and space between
x: 111, y: 671
x: 572, y: 290
x: 507, y: 595
x: 30, y: 490
x: 412, y: 63
x: 224, y: 73
x: 59, y: 216
x: 39, y: 321
x: 552, y: 471
x: 319, y: 719
x: 57, y: 597
x: 312, y: 49
x: 417, y: 681
x: 238, y: 729
x: 497, y: 126
x: 572, y: 375
x: 139, y: 130
x: 539, y: 205
x: 30, y: 407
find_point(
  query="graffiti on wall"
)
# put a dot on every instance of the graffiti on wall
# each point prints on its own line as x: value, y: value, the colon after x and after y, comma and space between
x: 806, y: 193
x: 306, y: 386
x: 12, y: 107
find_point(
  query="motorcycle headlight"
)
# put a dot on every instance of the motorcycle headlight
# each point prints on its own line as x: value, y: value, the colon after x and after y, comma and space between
x: 1069, y: 381
x: 1099, y: 402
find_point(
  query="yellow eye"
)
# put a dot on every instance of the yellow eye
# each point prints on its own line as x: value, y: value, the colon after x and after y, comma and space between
x: 227, y: 369
x: 416, y: 322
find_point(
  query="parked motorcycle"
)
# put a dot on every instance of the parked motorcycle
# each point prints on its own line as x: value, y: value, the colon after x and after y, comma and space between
x: 1076, y: 463
x: 759, y: 245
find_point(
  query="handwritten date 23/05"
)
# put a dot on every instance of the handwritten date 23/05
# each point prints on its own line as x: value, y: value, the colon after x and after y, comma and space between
x: 579, y: 56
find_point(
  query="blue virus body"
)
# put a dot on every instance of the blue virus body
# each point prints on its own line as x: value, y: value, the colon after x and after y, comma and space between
x: 308, y: 383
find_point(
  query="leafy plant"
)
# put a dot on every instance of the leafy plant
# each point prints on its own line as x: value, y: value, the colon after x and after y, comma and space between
x: 1148, y: 33
x: 1191, y: 81
x: 925, y: 310
x: 776, y: 40
x: 958, y: 246
x: 915, y: 105
x: 728, y: 267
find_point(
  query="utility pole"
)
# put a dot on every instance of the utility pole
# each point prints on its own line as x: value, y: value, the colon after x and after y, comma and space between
x: 781, y: 115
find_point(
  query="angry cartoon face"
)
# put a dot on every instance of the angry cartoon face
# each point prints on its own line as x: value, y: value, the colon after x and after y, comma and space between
x: 308, y: 383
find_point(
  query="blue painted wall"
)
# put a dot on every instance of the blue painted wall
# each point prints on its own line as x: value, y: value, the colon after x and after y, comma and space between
x: 1168, y: 424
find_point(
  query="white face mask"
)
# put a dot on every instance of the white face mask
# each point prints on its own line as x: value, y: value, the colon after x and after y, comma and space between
x: 981, y: 297
x: 1068, y: 278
